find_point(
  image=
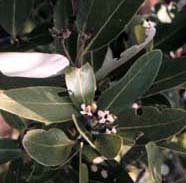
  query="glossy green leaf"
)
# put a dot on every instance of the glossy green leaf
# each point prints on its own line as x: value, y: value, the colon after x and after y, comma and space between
x: 14, y: 121
x: 49, y: 148
x: 151, y: 122
x: 43, y: 104
x: 133, y: 84
x: 154, y: 162
x: 172, y: 73
x: 113, y: 17
x: 13, y: 14
x: 81, y: 84
x: 9, y: 150
x: 108, y: 145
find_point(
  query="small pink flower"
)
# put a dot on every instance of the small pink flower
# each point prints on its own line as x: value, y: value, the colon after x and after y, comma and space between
x: 86, y: 110
x: 136, y: 106
x: 105, y: 117
x: 111, y: 131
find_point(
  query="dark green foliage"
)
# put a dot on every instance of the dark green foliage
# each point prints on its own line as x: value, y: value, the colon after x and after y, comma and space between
x: 132, y: 107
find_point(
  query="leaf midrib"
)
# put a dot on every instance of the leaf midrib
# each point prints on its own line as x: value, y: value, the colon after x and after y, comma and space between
x: 49, y: 146
x: 104, y: 25
x: 129, y: 82
x: 153, y: 125
x: 35, y: 103
x: 168, y: 78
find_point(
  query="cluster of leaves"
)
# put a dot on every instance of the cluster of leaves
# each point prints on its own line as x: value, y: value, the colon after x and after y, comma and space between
x: 55, y: 142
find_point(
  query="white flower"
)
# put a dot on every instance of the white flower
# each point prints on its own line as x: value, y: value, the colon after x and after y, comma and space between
x: 136, y: 106
x: 165, y: 170
x: 32, y: 65
x: 164, y: 14
x: 181, y: 4
x: 98, y: 160
x: 86, y: 110
x: 105, y: 116
x: 94, y: 168
x: 111, y: 131
x: 104, y: 174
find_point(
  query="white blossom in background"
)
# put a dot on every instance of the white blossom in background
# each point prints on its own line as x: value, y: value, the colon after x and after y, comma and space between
x: 32, y: 65
x: 136, y: 106
x: 94, y: 168
x: 165, y: 170
x: 104, y: 174
x: 98, y: 160
x: 105, y: 117
x: 164, y: 14
x: 181, y: 4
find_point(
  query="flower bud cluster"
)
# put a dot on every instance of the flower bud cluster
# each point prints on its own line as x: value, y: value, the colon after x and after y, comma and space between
x: 100, y: 121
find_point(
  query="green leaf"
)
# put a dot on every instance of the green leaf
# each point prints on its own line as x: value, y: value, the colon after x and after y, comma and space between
x: 42, y: 104
x: 49, y: 148
x: 168, y: 33
x: 133, y: 85
x: 62, y: 13
x: 111, y: 63
x: 19, y: 82
x: 81, y: 84
x: 82, y: 131
x: 15, y: 171
x: 152, y: 123
x: 84, y: 173
x: 172, y: 73
x: 14, y: 121
x: 63, y: 21
x: 183, y: 180
x: 89, y: 153
x: 96, y: 58
x: 13, y: 14
x: 154, y: 162
x: 9, y: 150
x: 174, y: 147
x: 113, y: 17
x: 109, y: 146
x: 83, y: 170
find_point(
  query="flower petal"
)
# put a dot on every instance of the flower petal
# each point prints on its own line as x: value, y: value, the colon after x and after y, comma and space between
x: 32, y: 65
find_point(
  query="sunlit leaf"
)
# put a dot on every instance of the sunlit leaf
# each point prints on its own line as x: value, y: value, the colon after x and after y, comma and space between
x: 81, y: 84
x: 43, y: 104
x: 49, y: 148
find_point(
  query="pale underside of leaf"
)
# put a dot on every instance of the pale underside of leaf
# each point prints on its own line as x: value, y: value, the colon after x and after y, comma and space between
x: 111, y: 64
